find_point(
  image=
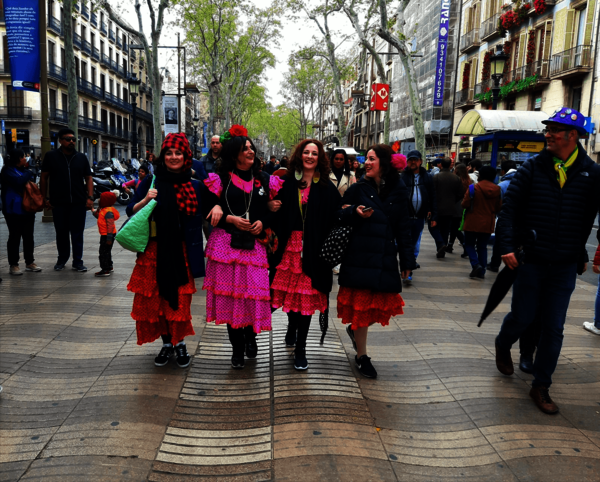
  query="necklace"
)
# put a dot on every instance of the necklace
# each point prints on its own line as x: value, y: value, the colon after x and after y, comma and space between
x: 302, y: 216
x: 246, y: 214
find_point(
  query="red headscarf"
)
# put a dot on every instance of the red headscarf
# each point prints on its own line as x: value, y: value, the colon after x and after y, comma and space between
x: 186, y: 196
x: 107, y: 199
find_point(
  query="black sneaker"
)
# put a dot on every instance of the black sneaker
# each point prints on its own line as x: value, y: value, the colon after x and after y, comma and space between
x: 80, y: 268
x: 449, y: 248
x: 350, y: 332
x: 417, y: 266
x: 300, y: 361
x: 476, y: 271
x: 183, y: 357
x: 162, y: 359
x: 103, y: 274
x: 251, y: 349
x: 237, y: 362
x: 290, y: 337
x: 365, y: 367
x: 464, y: 255
x: 59, y: 266
x: 493, y: 269
x: 441, y: 253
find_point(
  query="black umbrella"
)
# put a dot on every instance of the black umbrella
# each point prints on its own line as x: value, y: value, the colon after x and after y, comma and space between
x: 503, y: 283
x: 324, y: 321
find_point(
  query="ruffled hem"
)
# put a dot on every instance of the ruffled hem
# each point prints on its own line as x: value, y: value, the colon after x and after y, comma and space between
x: 236, y: 295
x: 275, y: 185
x: 147, y: 332
x: 219, y: 249
x: 362, y: 308
x: 265, y: 324
x: 294, y: 244
x: 238, y: 312
x: 213, y: 183
x: 153, y: 308
x: 292, y: 262
x: 303, y: 303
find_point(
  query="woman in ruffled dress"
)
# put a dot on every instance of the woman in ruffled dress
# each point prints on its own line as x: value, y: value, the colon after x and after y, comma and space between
x: 309, y: 202
x: 237, y: 278
x: 369, y: 277
x: 163, y: 276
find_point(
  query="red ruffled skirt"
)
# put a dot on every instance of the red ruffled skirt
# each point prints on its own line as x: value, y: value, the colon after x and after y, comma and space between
x: 363, y: 308
x: 292, y: 289
x: 152, y: 314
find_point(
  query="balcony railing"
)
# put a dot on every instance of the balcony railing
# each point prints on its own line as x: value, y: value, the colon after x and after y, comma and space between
x: 86, y: 47
x: 103, y: 28
x: 464, y: 97
x: 150, y: 91
x: 106, y: 60
x: 572, y: 62
x: 489, y: 27
x: 90, y: 89
x: 77, y: 7
x: 77, y: 40
x: 91, y: 124
x: 4, y: 69
x: 125, y: 48
x: 117, y: 132
x: 15, y: 112
x: 470, y: 40
x: 54, y: 25
x: 85, y: 11
x: 94, y: 20
x: 363, y: 130
x: 57, y: 73
x: 141, y: 114
x: 380, y: 126
x: 119, y: 44
x: 541, y: 68
x: 114, y: 66
x: 143, y: 87
x: 122, y: 72
x: 96, y: 53
x: 115, y: 101
x: 58, y: 116
x: 132, y: 54
x: 111, y: 35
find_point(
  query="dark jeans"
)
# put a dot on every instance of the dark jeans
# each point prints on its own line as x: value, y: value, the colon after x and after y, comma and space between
x: 436, y: 235
x: 476, y: 247
x: 496, y: 258
x: 530, y: 338
x: 455, y: 233
x: 416, y: 230
x: 444, y: 224
x: 540, y: 292
x: 69, y: 220
x: 105, y: 253
x: 20, y: 226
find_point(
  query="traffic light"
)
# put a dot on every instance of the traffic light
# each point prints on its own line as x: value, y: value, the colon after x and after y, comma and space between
x: 13, y: 133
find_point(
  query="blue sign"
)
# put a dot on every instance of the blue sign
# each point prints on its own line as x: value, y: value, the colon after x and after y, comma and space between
x: 442, y: 54
x: 23, y: 34
x: 3, y: 127
x: 204, y: 129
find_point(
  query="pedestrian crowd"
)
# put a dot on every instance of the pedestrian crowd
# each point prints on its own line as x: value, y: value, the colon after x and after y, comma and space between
x: 278, y: 231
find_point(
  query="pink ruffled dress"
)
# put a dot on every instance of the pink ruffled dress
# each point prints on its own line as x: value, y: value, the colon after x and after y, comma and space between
x: 237, y: 280
x: 292, y: 288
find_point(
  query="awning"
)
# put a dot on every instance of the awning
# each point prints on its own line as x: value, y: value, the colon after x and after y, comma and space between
x: 433, y: 127
x: 349, y: 151
x: 479, y: 122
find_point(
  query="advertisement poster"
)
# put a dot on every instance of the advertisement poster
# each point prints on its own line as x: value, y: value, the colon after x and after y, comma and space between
x: 442, y: 54
x: 22, y: 32
x: 170, y: 106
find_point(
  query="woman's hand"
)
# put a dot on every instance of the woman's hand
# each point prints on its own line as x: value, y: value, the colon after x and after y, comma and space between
x: 405, y: 274
x: 274, y: 206
x: 345, y: 206
x: 256, y: 228
x: 152, y: 193
x: 240, y: 223
x: 596, y: 268
x: 215, y: 215
x: 362, y: 214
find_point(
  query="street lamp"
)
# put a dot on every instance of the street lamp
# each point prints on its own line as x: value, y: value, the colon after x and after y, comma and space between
x: 134, y: 89
x: 497, y: 63
x: 195, y: 121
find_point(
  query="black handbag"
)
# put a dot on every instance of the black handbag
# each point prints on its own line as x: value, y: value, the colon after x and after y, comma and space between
x: 241, y: 239
x: 335, y: 245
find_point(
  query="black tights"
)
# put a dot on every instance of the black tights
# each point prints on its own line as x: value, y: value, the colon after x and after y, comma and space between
x: 301, y: 324
x: 239, y: 337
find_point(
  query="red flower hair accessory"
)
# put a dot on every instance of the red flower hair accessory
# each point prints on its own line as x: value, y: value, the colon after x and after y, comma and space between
x: 236, y: 130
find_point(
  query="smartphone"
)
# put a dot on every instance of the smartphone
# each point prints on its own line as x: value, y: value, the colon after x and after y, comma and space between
x: 366, y: 210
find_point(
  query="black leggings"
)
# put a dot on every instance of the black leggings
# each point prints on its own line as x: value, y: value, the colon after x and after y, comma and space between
x: 300, y: 323
x: 238, y: 338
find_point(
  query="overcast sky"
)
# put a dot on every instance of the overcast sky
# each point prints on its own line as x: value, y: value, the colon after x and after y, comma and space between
x: 294, y: 35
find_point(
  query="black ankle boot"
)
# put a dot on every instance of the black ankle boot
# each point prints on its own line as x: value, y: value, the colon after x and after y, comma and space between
x: 300, y: 361
x: 251, y: 346
x: 236, y: 338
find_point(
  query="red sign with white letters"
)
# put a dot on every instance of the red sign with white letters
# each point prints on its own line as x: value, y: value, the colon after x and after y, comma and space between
x: 380, y: 97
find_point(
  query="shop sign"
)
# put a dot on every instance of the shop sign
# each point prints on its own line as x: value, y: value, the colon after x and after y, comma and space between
x: 380, y: 97
x: 23, y: 36
x: 528, y: 146
x: 442, y: 53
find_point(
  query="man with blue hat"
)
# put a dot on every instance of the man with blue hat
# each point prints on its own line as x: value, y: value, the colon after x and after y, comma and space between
x: 549, y: 209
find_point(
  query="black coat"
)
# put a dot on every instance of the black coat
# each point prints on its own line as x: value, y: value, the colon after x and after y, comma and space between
x: 561, y: 218
x: 323, y: 204
x: 429, y: 204
x: 371, y: 260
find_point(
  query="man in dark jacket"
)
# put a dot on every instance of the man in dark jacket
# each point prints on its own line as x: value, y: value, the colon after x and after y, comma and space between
x: 271, y: 166
x: 448, y: 191
x: 556, y: 195
x: 71, y: 196
x: 212, y: 159
x: 508, y: 169
x: 421, y: 195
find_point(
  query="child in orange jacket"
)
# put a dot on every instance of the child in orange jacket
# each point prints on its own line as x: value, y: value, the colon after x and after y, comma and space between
x: 107, y: 215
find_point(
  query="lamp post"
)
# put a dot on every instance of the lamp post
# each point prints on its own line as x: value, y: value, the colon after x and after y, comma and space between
x: 497, y: 63
x: 134, y: 89
x: 195, y: 121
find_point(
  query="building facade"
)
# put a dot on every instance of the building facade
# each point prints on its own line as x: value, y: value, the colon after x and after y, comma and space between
x: 105, y: 58
x: 552, y: 48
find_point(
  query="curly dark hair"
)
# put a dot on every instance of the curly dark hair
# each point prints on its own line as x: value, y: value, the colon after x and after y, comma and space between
x: 387, y: 173
x: 346, y: 160
x: 229, y: 154
x: 322, y: 162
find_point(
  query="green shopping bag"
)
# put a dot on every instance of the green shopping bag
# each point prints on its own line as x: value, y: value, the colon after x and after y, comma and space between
x: 135, y: 233
x: 462, y: 223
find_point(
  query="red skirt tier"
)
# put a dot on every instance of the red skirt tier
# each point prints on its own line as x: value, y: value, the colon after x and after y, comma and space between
x: 151, y: 312
x: 363, y: 308
x: 292, y: 289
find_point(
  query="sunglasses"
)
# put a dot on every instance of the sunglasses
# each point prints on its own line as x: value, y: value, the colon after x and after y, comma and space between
x: 69, y: 139
x: 554, y: 130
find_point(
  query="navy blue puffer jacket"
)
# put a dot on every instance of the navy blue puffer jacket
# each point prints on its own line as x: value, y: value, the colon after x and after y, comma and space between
x: 371, y: 260
x: 561, y: 218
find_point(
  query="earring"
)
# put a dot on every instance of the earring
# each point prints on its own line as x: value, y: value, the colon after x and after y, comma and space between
x: 298, y: 175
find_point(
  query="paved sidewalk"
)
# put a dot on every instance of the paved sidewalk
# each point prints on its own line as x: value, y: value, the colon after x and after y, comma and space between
x: 82, y: 401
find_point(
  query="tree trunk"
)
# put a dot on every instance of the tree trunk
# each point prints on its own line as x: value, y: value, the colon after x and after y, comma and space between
x: 73, y: 98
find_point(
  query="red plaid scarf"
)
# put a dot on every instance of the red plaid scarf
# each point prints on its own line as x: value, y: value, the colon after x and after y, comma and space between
x: 187, y: 201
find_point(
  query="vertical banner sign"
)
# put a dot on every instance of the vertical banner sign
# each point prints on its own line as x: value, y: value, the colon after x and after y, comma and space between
x: 23, y: 35
x: 380, y: 97
x: 204, y: 132
x: 170, y: 106
x: 442, y: 54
